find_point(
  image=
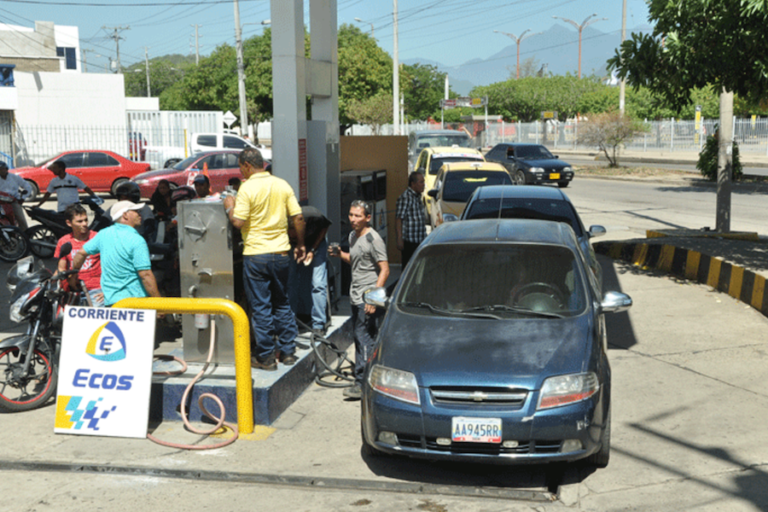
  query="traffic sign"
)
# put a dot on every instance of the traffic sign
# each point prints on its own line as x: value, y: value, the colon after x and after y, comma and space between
x: 229, y: 118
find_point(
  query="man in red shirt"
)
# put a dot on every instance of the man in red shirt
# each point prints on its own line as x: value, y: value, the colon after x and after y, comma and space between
x: 90, y: 272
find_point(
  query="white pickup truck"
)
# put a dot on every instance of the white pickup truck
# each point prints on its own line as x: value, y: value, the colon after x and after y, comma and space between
x: 162, y: 157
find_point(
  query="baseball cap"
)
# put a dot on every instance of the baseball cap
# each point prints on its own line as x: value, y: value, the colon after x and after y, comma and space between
x: 3, y: 165
x: 200, y: 179
x: 121, y: 207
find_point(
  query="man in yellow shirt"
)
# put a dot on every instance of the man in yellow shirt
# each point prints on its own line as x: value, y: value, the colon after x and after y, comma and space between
x: 261, y: 211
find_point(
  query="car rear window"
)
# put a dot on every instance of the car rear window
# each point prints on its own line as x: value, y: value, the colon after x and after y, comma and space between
x: 459, y: 185
x: 433, y: 141
x: 437, y: 162
x: 206, y: 140
x: 458, y: 277
x: 525, y: 208
x: 533, y: 152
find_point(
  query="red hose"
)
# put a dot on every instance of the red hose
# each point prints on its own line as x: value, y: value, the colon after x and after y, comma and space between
x: 219, y: 421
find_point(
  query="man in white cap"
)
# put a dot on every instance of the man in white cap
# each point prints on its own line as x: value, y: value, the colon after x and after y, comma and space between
x: 126, y: 270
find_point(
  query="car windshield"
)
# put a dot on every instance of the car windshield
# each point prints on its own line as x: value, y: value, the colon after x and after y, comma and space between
x: 533, y: 153
x: 47, y: 160
x: 459, y: 185
x: 437, y: 162
x: 501, y: 279
x: 186, y: 162
x: 432, y: 141
x: 525, y: 208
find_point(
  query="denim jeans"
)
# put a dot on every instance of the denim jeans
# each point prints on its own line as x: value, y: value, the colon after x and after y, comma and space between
x: 265, y: 279
x: 365, y: 328
x: 308, y: 287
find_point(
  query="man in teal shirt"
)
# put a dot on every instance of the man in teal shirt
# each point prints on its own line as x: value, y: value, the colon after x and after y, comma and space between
x: 126, y: 270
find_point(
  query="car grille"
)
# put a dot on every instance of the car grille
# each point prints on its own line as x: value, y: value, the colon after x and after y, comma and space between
x: 512, y: 398
x: 525, y: 447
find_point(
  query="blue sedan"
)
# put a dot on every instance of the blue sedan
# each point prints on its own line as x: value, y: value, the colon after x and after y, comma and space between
x: 493, y: 349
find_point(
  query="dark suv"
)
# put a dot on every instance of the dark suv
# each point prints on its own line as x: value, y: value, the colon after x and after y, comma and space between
x: 531, y: 163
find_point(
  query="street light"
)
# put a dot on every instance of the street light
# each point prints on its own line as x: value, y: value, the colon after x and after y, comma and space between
x: 363, y: 21
x: 581, y: 27
x: 517, y: 43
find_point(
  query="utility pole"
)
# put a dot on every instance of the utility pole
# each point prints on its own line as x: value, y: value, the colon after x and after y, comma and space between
x: 146, y: 61
x: 724, y: 162
x: 85, y: 58
x: 395, y: 77
x: 116, y: 36
x: 623, y: 85
x: 197, y: 45
x: 517, y: 40
x: 581, y: 27
x: 240, y: 71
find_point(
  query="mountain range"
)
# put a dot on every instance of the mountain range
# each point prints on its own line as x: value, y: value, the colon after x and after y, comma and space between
x: 557, y: 48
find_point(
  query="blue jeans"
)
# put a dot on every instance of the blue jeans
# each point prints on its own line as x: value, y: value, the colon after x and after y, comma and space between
x: 265, y: 279
x: 365, y: 328
x: 308, y: 287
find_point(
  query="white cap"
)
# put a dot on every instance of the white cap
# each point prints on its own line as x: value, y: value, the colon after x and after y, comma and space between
x: 121, y: 207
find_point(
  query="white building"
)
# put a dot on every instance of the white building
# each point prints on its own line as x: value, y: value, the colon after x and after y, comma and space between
x: 47, y: 47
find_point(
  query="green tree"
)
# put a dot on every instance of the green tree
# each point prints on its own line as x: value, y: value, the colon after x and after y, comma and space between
x: 707, y: 163
x: 163, y: 73
x: 374, y: 111
x: 423, y: 88
x: 609, y: 131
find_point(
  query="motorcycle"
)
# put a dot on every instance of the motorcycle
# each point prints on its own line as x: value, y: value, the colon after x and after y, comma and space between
x: 29, y: 361
x: 13, y: 242
x: 53, y: 225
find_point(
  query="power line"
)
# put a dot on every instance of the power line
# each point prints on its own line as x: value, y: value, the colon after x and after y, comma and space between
x: 116, y: 36
x: 145, y: 4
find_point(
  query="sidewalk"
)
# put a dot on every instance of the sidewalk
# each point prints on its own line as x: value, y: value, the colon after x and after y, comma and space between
x: 656, y: 156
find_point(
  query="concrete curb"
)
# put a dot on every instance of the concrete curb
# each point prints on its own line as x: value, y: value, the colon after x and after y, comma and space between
x: 738, y: 282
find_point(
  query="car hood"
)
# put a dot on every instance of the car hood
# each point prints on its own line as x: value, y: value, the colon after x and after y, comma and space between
x: 154, y: 174
x: 455, y: 351
x: 549, y: 164
x: 24, y: 170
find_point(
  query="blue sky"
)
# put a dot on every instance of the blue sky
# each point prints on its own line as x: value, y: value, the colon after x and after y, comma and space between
x: 447, y: 31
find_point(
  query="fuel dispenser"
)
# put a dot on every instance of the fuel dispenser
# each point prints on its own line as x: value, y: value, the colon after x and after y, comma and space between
x: 210, y: 265
x: 370, y: 186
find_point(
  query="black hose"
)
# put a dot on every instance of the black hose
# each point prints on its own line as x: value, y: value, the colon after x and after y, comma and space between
x: 343, y: 375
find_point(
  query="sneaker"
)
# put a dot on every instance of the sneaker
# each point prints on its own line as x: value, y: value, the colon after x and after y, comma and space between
x: 268, y: 364
x: 353, y: 392
x: 288, y: 359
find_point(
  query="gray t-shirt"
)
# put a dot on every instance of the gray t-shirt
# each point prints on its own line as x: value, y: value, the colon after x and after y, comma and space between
x: 364, y: 253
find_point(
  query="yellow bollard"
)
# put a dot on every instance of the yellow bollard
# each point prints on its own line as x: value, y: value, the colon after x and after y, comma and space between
x: 242, y: 330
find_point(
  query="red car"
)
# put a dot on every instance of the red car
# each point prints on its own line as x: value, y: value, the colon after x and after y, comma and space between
x: 102, y: 171
x: 221, y: 165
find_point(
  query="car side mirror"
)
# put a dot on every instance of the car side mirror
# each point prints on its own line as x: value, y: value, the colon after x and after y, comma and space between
x: 596, y: 231
x: 376, y: 297
x: 432, y: 193
x: 615, y: 302
x: 557, y: 157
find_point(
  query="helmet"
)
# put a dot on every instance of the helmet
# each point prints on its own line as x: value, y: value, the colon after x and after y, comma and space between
x: 130, y: 190
x: 3, y: 165
x: 183, y: 193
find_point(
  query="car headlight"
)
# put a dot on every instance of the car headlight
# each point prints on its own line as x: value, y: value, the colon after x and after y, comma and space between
x: 567, y: 169
x: 537, y: 169
x: 567, y: 389
x: 142, y: 182
x: 15, y: 311
x: 396, y: 384
x: 449, y: 217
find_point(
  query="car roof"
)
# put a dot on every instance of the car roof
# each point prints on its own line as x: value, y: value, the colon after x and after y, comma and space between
x: 504, y: 230
x: 517, y: 191
x: 517, y: 144
x: 473, y: 166
x: 452, y: 151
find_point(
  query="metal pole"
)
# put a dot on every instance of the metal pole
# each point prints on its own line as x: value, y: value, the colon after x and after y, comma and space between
x: 240, y: 71
x: 672, y: 135
x: 724, y: 163
x: 197, y: 44
x: 395, y: 74
x: 146, y: 61
x: 623, y: 84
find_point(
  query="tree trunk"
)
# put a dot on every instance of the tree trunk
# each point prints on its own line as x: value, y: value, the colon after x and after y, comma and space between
x: 724, y: 163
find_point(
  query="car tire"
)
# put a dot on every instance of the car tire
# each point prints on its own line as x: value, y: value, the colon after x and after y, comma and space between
x: 563, y: 184
x: 117, y: 183
x: 368, y: 450
x: 519, y: 178
x: 601, y: 457
x: 35, y: 189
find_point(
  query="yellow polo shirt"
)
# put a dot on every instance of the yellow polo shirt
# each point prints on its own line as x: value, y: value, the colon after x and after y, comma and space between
x: 265, y: 203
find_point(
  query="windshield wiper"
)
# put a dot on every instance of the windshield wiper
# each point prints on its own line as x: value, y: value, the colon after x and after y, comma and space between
x: 449, y: 312
x: 514, y: 309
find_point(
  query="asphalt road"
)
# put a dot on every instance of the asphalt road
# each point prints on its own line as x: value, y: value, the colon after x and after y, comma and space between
x: 749, y: 171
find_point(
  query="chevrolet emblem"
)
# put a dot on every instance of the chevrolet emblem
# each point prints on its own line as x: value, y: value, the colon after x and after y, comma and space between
x: 479, y: 396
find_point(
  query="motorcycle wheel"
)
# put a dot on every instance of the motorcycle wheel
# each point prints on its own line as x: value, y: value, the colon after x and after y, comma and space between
x: 13, y: 244
x: 30, y: 392
x: 39, y: 235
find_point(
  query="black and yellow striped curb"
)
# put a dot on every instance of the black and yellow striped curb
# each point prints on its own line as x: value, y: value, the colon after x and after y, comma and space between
x: 736, y: 281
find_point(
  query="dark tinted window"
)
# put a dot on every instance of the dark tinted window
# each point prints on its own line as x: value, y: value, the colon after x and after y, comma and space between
x: 100, y: 160
x: 463, y: 276
x: 234, y: 142
x: 533, y: 152
x: 436, y: 163
x: 206, y: 140
x: 72, y: 160
x: 459, y: 185
x: 525, y: 208
x: 186, y: 162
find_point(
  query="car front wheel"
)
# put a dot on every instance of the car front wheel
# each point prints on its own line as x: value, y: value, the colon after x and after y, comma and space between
x: 519, y: 178
x: 601, y: 457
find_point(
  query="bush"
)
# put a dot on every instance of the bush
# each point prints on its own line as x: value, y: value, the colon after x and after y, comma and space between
x: 708, y: 160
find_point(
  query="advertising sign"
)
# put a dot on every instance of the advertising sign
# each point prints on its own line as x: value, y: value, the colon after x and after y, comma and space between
x: 464, y: 102
x: 105, y: 372
x: 303, y: 178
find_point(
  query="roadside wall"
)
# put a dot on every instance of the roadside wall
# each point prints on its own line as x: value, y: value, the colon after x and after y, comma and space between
x: 380, y: 152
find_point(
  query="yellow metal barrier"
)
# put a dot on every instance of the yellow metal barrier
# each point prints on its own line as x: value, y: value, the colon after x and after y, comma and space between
x: 242, y: 341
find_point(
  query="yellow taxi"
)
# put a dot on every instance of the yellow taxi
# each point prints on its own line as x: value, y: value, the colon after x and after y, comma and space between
x: 431, y: 159
x: 457, y: 181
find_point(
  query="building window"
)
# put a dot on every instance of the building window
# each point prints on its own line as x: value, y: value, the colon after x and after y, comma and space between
x: 69, y: 55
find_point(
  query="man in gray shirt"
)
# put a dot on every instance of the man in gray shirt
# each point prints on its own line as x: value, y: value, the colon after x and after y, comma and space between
x: 370, y: 268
